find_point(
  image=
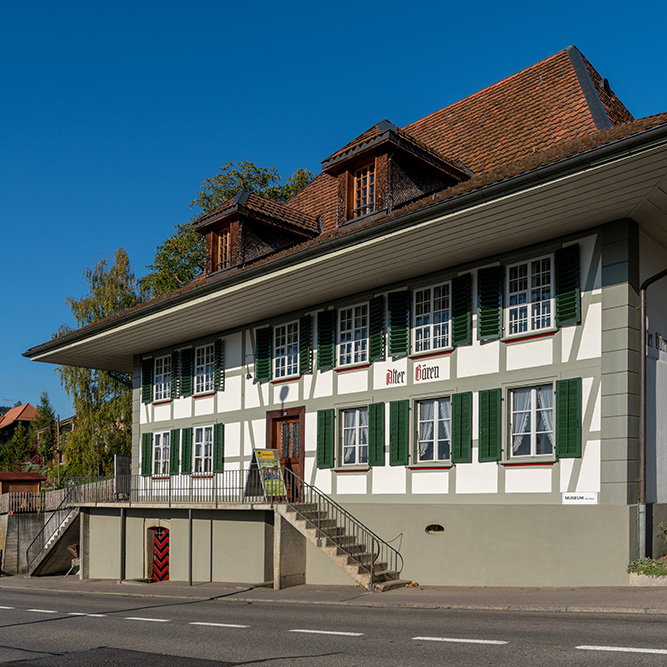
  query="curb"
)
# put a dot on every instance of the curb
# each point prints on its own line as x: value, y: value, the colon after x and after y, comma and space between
x: 231, y: 597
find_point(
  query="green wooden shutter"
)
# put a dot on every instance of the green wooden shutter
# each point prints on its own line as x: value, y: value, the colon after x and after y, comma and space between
x: 490, y: 425
x: 461, y: 309
x: 489, y: 303
x: 326, y: 339
x: 568, y: 418
x: 219, y: 364
x: 263, y: 341
x: 325, y: 438
x: 218, y: 447
x: 186, y: 455
x: 376, y: 434
x: 147, y: 381
x: 568, y: 298
x: 186, y: 372
x: 146, y: 453
x: 376, y: 328
x: 399, y: 323
x: 305, y: 347
x: 462, y: 428
x: 174, y: 375
x: 173, y: 451
x: 399, y: 432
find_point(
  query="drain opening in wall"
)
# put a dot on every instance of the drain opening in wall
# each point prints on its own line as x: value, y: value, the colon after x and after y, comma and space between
x: 434, y: 529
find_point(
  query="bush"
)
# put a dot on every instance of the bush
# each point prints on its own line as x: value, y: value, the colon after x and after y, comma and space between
x: 648, y: 566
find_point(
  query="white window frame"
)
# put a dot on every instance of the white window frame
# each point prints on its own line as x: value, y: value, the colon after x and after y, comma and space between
x: 427, y: 334
x: 160, y: 454
x: 518, y: 413
x: 286, y: 350
x: 162, y: 378
x: 529, y: 313
x: 204, y: 369
x: 435, y: 422
x: 353, y: 339
x: 354, y: 437
x: 202, y: 450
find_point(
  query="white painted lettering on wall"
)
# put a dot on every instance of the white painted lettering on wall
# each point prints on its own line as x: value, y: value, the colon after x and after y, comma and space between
x: 424, y: 372
x: 394, y: 377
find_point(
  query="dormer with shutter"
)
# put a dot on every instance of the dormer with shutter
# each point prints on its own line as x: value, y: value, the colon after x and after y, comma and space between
x: 384, y: 168
x: 248, y: 227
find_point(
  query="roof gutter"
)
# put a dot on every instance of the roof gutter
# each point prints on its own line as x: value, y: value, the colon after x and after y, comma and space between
x: 620, y: 148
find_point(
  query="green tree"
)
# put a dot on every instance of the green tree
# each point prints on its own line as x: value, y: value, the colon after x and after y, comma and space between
x: 45, y: 419
x: 182, y: 256
x: 102, y: 400
x: 17, y: 450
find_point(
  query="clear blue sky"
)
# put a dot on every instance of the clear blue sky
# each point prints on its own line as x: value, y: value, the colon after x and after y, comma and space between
x: 114, y: 113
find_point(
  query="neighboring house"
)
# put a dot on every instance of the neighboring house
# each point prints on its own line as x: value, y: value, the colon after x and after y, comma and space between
x: 65, y: 426
x: 21, y: 482
x: 9, y: 420
x: 440, y: 332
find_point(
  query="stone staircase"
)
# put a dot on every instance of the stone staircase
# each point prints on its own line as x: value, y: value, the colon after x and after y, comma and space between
x: 356, y: 552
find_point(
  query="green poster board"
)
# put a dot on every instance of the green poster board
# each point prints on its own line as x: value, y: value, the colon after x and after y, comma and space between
x: 270, y: 474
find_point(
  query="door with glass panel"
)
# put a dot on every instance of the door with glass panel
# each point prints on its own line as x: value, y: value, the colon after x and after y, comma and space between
x: 285, y: 434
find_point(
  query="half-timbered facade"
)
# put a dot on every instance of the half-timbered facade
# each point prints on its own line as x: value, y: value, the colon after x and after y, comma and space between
x: 440, y: 333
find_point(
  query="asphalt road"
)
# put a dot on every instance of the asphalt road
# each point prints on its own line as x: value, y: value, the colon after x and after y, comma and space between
x: 42, y: 628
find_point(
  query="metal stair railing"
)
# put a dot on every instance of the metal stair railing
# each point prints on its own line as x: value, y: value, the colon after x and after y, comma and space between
x: 331, y: 521
x: 50, y: 528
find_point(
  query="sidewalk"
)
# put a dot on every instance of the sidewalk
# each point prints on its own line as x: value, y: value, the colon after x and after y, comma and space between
x: 616, y: 599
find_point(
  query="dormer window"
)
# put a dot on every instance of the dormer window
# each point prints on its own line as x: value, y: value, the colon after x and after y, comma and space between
x: 364, y: 190
x: 224, y: 247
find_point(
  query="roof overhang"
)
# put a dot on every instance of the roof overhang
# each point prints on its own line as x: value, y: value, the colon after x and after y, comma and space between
x: 624, y: 179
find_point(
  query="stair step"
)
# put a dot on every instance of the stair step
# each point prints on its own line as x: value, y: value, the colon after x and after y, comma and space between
x: 382, y: 586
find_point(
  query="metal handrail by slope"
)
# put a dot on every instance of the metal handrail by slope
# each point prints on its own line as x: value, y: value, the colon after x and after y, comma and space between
x: 336, y: 524
x: 50, y: 527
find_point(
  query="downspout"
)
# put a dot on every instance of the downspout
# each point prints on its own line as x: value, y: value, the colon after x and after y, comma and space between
x: 642, y: 410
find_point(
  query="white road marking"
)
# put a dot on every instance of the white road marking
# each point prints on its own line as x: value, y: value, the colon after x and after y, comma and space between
x: 154, y: 620
x: 1, y: 607
x: 81, y: 613
x: 458, y: 640
x: 330, y: 632
x: 43, y: 611
x: 221, y: 625
x: 623, y: 649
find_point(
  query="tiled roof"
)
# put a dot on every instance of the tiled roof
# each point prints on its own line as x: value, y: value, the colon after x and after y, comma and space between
x: 532, y: 119
x: 288, y: 215
x: 25, y: 412
x: 21, y: 477
x: 527, y: 113
x: 382, y: 133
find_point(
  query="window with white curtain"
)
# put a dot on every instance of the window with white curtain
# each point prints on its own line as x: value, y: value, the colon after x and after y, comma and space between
x: 161, y: 453
x: 203, y: 449
x: 532, y: 421
x: 355, y: 436
x: 434, y: 430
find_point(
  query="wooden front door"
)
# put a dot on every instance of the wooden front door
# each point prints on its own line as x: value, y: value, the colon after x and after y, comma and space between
x: 285, y: 434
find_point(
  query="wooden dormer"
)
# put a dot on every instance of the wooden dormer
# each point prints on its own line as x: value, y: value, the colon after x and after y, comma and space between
x: 248, y: 227
x: 384, y: 168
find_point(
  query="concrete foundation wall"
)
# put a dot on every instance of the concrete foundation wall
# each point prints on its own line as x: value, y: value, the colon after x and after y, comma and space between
x: 487, y: 545
x: 232, y: 546
x: 17, y: 531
